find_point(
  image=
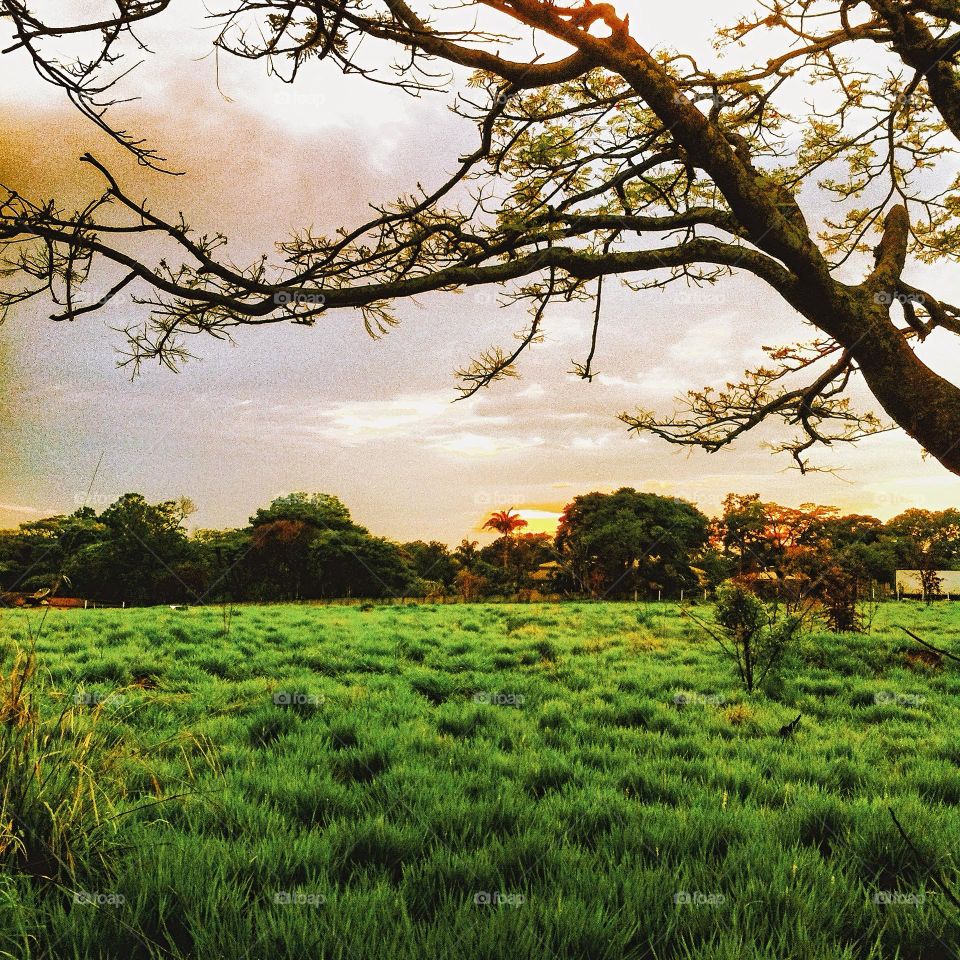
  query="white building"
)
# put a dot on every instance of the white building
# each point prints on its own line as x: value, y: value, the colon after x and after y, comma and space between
x: 909, y: 583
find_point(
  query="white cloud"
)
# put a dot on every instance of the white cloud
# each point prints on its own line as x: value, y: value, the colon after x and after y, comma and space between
x: 364, y: 421
x: 429, y: 419
x: 533, y: 392
x: 484, y: 445
x: 590, y: 443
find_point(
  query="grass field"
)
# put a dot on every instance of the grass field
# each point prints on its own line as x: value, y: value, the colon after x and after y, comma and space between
x: 579, y: 780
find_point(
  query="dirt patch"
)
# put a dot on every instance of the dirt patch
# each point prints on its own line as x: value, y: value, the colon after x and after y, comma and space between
x: 923, y: 659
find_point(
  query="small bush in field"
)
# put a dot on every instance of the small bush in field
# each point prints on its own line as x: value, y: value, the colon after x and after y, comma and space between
x: 839, y: 593
x: 751, y: 634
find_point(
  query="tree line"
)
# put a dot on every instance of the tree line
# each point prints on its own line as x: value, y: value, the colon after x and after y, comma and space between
x: 618, y: 545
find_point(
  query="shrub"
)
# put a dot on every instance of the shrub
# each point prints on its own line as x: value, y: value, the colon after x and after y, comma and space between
x: 839, y: 592
x: 750, y: 633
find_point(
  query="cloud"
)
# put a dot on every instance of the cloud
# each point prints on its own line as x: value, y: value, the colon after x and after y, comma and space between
x: 591, y: 443
x: 18, y: 508
x: 534, y: 391
x: 429, y: 419
x: 484, y: 445
x: 367, y: 421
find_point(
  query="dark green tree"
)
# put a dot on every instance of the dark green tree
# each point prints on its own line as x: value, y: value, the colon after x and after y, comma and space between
x: 144, y: 555
x: 431, y: 561
x: 624, y: 541
x: 321, y: 510
x: 354, y: 564
x: 280, y: 538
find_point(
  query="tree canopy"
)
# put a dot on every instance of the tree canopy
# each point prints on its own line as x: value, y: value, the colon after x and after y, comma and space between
x: 618, y: 542
x: 323, y: 511
x: 820, y: 160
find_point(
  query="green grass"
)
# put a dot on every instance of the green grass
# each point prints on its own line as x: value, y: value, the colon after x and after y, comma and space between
x: 588, y: 765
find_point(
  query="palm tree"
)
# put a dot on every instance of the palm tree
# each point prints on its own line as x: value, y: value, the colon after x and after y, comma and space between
x: 505, y: 522
x: 467, y: 553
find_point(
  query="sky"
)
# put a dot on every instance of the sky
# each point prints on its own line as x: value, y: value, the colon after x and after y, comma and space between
x: 327, y: 408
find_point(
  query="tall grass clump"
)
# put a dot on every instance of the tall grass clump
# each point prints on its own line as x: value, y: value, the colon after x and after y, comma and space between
x: 59, y: 777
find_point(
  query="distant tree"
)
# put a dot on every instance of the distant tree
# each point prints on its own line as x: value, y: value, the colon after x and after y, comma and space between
x: 871, y: 562
x: 321, y: 510
x: 712, y: 566
x: 740, y: 532
x: 40, y: 554
x: 862, y: 546
x: 184, y: 507
x: 791, y: 527
x: 470, y: 585
x: 628, y: 540
x: 431, y: 561
x: 280, y: 558
x: 526, y: 552
x: 466, y: 553
x: 761, y: 537
x: 824, y: 555
x: 351, y: 563
x: 224, y: 554
x: 280, y: 540
x: 927, y: 541
x: 12, y: 562
x: 505, y: 522
x: 143, y: 555
x: 852, y: 528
